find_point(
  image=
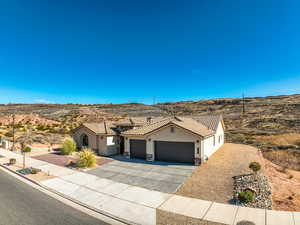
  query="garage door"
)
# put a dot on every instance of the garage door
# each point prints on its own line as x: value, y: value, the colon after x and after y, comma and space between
x: 138, y: 149
x: 175, y: 151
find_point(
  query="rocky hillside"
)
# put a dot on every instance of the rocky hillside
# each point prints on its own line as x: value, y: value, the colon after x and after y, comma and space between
x: 262, y: 117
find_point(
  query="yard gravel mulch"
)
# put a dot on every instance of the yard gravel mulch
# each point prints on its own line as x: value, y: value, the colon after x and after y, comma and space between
x: 213, y: 181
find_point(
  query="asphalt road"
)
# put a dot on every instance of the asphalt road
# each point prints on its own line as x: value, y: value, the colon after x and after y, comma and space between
x: 20, y: 204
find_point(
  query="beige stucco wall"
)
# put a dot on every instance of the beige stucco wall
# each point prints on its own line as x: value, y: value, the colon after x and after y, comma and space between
x: 165, y: 134
x: 96, y: 142
x: 89, y: 133
x: 208, y: 144
x: 179, y: 135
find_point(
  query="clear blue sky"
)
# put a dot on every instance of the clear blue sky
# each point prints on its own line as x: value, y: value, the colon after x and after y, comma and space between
x: 97, y: 51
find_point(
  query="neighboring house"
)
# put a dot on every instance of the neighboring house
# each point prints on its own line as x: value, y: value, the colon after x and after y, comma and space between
x: 175, y: 139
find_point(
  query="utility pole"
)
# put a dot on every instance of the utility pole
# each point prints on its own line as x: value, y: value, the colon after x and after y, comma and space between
x: 243, y: 104
x: 13, y: 132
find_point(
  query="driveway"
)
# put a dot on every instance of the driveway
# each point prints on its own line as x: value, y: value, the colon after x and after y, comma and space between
x: 157, y: 176
x: 213, y: 180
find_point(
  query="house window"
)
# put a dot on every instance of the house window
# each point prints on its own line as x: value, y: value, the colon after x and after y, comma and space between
x: 198, y: 150
x: 214, y: 140
x: 219, y: 138
x: 172, y: 129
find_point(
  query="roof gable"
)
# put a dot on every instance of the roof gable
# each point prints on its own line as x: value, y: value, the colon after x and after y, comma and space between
x: 185, y: 123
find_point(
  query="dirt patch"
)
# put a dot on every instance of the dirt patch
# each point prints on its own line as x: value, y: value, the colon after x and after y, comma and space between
x: 56, y: 159
x: 213, y: 180
x: 63, y: 160
x: 285, y: 185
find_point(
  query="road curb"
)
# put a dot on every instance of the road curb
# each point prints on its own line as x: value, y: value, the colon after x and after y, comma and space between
x: 68, y: 198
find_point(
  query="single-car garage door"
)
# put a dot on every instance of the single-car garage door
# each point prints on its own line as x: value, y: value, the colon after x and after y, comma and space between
x: 138, y: 149
x: 174, y: 151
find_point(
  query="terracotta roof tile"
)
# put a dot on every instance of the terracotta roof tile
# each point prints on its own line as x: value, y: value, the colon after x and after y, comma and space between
x: 104, y: 127
x: 186, y: 123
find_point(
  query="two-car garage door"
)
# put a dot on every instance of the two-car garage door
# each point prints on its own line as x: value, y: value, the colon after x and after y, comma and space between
x: 183, y: 152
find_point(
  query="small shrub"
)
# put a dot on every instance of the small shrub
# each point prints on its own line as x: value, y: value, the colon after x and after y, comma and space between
x: 245, y: 222
x: 12, y: 161
x: 290, y: 176
x: 68, y: 147
x: 8, y: 134
x: 26, y: 149
x: 246, y: 196
x: 34, y: 171
x: 87, y: 158
x: 255, y: 166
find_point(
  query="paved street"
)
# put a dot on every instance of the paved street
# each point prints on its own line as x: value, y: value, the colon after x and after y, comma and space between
x: 21, y: 204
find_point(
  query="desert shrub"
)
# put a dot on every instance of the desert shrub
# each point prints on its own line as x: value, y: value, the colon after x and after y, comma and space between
x: 87, y: 158
x: 245, y: 222
x: 8, y: 134
x: 284, y: 158
x: 26, y: 149
x: 246, y: 196
x: 68, y: 146
x: 12, y: 161
x: 255, y: 166
x: 34, y: 171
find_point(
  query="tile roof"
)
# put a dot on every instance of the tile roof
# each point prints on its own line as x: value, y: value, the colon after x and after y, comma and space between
x: 186, y: 123
x: 210, y: 121
x: 104, y: 127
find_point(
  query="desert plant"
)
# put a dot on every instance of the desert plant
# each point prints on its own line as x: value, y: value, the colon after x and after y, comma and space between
x: 255, y: 166
x: 12, y: 161
x: 68, y: 146
x: 34, y: 171
x: 87, y: 158
x: 26, y: 149
x: 245, y: 222
x: 246, y: 196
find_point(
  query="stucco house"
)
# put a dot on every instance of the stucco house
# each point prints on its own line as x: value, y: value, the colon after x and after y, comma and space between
x: 174, y: 139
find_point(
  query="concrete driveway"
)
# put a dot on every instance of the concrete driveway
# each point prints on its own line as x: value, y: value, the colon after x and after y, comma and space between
x: 157, y: 176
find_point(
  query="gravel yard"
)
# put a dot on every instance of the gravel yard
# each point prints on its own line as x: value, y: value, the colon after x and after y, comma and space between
x: 213, y: 180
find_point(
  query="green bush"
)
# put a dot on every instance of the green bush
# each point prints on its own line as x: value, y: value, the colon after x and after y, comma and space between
x: 87, y: 158
x: 255, y: 166
x: 246, y: 196
x: 68, y: 146
x: 27, y: 149
x: 34, y: 171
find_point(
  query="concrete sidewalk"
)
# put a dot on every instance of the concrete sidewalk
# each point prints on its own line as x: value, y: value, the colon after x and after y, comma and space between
x: 137, y: 205
x: 129, y: 203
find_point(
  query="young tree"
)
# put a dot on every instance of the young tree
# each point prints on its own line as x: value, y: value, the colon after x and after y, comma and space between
x: 255, y: 167
x: 27, y: 149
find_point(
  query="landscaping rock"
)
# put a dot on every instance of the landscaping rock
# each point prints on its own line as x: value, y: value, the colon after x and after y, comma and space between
x: 258, y: 185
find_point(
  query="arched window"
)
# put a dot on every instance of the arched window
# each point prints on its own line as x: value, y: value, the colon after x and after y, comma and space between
x: 85, y: 140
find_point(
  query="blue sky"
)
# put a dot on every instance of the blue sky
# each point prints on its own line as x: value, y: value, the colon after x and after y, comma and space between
x: 97, y: 51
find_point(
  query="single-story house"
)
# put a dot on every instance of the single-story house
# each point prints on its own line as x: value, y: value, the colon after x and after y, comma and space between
x: 175, y: 139
x: 100, y: 137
